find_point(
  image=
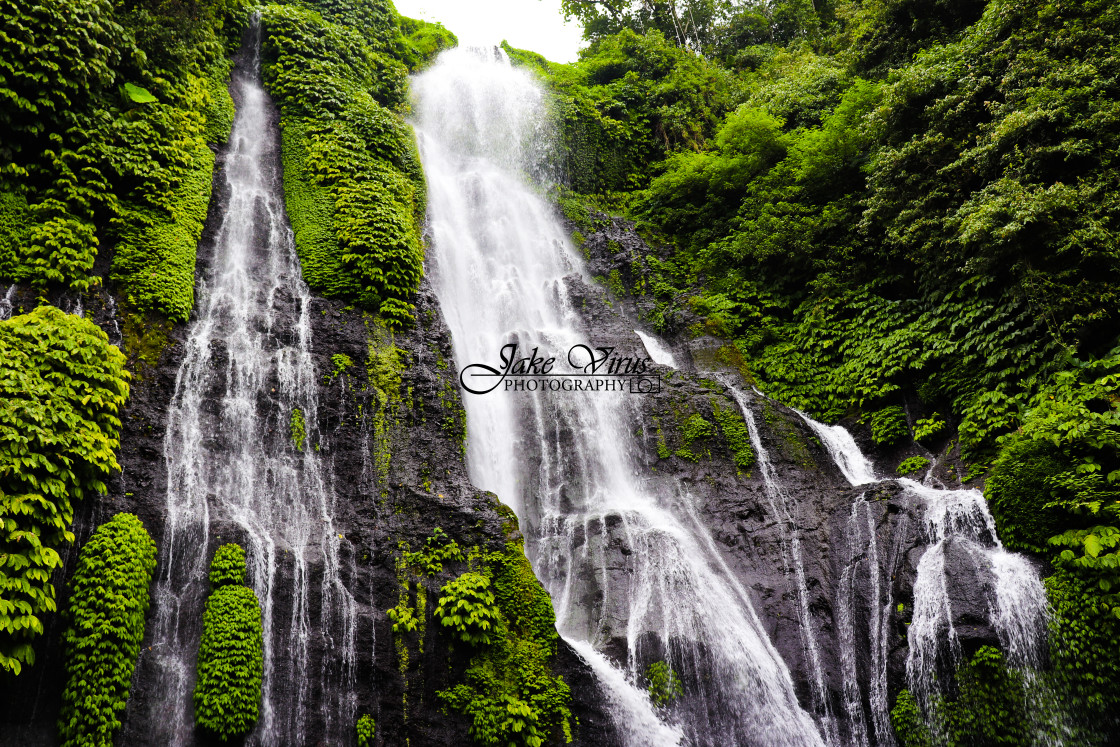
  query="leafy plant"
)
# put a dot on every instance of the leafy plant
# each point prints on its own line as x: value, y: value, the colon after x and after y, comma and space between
x: 298, y: 428
x: 228, y: 566
x: 664, y: 685
x: 911, y: 465
x: 888, y: 425
x: 227, y: 692
x: 108, y: 601
x: 366, y: 728
x: 468, y: 608
x: 62, y: 386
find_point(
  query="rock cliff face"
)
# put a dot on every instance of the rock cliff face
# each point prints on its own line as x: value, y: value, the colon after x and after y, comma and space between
x: 839, y: 565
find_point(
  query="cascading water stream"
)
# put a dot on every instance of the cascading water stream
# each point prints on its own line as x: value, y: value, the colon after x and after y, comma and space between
x: 1016, y: 598
x: 234, y: 470
x: 780, y: 505
x: 6, y: 302
x: 630, y: 574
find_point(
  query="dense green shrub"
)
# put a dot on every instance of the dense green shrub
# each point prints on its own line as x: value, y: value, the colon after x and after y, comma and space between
x: 508, y: 691
x: 108, y: 600
x: 110, y: 107
x: 989, y: 708
x: 228, y: 566
x: 467, y: 607
x: 62, y: 386
x: 366, y: 728
x: 1084, y: 638
x: 888, y: 425
x: 353, y: 184
x: 1018, y: 493
x: 911, y: 465
x: 664, y: 685
x: 227, y: 693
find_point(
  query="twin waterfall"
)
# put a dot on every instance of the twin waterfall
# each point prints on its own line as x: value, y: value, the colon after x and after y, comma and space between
x: 634, y: 573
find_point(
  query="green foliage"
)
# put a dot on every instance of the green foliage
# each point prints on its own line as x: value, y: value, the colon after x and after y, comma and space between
x: 927, y: 428
x: 468, y: 608
x: 108, y: 106
x: 664, y: 685
x: 629, y: 101
x: 909, y: 726
x: 438, y: 549
x: 989, y: 708
x: 421, y: 41
x: 62, y: 386
x: 227, y: 693
x: 298, y: 428
x: 735, y: 434
x: 911, y: 465
x: 695, y: 428
x: 352, y: 179
x: 339, y: 363
x: 30, y: 530
x: 366, y: 728
x: 108, y: 600
x: 508, y: 691
x: 1084, y: 637
x: 228, y: 566
x: 888, y: 425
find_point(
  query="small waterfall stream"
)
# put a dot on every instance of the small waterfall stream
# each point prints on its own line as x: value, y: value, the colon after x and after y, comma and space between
x: 958, y: 519
x: 234, y: 470
x: 632, y: 576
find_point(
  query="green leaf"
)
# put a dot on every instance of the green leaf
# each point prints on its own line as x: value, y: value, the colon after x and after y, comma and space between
x: 138, y: 94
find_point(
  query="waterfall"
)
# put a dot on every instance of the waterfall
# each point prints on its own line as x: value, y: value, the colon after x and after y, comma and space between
x: 236, y: 473
x: 954, y: 519
x: 6, y: 303
x: 658, y: 352
x: 632, y: 577
x: 780, y: 505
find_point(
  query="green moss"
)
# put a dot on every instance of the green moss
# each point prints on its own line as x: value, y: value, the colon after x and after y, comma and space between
x: 385, y: 364
x: 154, y: 259
x: 144, y: 338
x: 108, y: 601
x: 614, y: 283
x: 695, y: 429
x: 735, y: 434
x: 911, y: 465
x: 298, y: 428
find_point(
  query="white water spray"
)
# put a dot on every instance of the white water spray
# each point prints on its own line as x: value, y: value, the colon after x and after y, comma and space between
x: 658, y: 351
x: 628, y: 572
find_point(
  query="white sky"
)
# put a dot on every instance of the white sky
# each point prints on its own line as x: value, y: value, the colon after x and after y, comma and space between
x: 526, y: 24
